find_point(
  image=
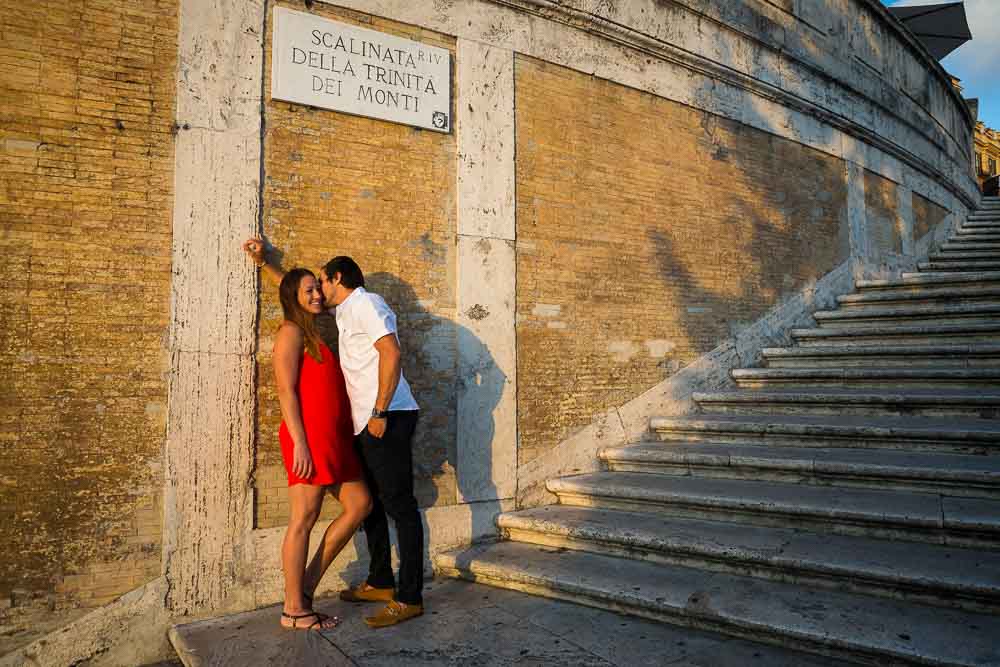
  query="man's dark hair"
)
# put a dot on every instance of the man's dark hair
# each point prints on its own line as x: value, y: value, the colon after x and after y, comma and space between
x: 350, y: 272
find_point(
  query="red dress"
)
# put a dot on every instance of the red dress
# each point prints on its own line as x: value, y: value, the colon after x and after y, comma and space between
x: 326, y: 417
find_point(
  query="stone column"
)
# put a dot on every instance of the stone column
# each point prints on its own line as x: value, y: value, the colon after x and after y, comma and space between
x: 210, y: 431
x: 487, y: 411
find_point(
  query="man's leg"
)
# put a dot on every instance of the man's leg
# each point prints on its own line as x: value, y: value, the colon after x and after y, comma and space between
x: 391, y: 462
x: 401, y: 505
x: 376, y: 529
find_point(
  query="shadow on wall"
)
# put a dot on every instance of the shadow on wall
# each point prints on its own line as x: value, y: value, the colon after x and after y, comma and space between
x: 710, y: 222
x: 775, y: 228
x: 768, y: 253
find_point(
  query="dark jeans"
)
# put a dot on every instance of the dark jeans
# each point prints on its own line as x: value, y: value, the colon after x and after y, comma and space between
x: 388, y: 466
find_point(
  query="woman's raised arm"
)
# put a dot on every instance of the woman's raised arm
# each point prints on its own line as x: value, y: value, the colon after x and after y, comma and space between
x: 255, y: 249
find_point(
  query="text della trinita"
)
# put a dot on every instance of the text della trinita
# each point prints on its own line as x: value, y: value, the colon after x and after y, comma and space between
x: 386, y: 82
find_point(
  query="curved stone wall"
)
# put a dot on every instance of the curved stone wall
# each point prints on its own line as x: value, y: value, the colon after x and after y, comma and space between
x: 636, y: 196
x: 839, y: 75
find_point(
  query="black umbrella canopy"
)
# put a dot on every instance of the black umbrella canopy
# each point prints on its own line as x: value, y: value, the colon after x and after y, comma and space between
x: 941, y: 28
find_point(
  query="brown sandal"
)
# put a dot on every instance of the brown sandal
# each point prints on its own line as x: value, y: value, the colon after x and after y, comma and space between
x: 320, y: 619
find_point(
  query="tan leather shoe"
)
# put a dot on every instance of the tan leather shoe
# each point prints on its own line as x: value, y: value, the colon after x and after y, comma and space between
x: 393, y: 613
x: 365, y: 593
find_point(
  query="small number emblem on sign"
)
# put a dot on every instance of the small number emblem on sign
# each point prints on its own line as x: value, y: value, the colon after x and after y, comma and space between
x: 440, y: 120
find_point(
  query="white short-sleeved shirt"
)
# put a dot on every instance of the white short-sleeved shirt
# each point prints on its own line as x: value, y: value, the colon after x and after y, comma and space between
x: 362, y: 319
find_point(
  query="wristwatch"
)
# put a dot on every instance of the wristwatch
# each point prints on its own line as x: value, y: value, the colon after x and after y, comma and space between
x: 380, y: 414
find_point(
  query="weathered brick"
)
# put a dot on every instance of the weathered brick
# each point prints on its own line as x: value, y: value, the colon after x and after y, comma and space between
x: 81, y: 357
x: 882, y: 214
x: 647, y: 232
x: 926, y: 215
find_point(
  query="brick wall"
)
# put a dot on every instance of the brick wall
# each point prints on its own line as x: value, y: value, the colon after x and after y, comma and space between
x: 383, y: 193
x: 926, y: 216
x: 647, y: 232
x: 882, y: 214
x: 86, y: 170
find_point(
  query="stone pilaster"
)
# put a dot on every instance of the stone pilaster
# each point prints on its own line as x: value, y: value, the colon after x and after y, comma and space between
x: 905, y: 208
x: 210, y: 427
x: 859, y: 237
x: 487, y: 416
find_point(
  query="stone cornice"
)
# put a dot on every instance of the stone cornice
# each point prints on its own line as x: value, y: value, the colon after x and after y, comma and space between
x: 906, y: 36
x: 626, y: 36
x: 819, y: 71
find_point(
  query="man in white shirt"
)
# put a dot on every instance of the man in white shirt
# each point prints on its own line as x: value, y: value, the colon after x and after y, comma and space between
x: 385, y: 414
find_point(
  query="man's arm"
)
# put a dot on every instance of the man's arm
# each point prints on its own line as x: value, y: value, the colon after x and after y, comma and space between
x: 388, y: 379
x: 254, y: 248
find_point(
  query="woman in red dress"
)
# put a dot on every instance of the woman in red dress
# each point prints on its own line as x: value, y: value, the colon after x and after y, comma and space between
x: 317, y: 439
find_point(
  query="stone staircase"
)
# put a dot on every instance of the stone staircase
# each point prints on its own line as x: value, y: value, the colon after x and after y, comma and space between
x: 844, y: 499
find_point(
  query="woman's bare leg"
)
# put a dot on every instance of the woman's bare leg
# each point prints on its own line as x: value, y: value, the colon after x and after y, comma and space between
x: 357, y: 503
x: 305, y: 501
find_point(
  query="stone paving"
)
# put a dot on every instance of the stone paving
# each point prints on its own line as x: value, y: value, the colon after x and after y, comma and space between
x: 471, y: 624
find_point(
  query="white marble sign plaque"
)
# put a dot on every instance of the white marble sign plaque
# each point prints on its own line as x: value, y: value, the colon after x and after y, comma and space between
x: 333, y: 65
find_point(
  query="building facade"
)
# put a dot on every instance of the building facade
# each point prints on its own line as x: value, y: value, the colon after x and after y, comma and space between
x: 630, y: 199
x: 986, y: 160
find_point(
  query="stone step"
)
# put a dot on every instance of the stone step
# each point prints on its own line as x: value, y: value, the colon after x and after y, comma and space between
x: 883, y: 355
x: 464, y: 624
x: 959, y: 256
x: 910, y: 281
x: 962, y: 243
x: 902, y: 334
x: 878, y: 513
x: 976, y: 246
x: 962, y: 435
x: 949, y: 276
x: 850, y: 626
x: 975, y: 292
x: 974, y: 228
x: 867, y: 376
x: 963, y: 240
x: 853, y: 402
x: 977, y: 227
x: 873, y: 314
x: 963, y: 230
x: 973, y: 237
x: 921, y: 472
x: 978, y: 221
x: 963, y: 265
x: 929, y: 573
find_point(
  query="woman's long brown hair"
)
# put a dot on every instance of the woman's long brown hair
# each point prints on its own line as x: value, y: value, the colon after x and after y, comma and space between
x: 288, y: 293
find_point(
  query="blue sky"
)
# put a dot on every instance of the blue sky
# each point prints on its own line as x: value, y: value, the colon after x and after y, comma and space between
x: 972, y: 61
